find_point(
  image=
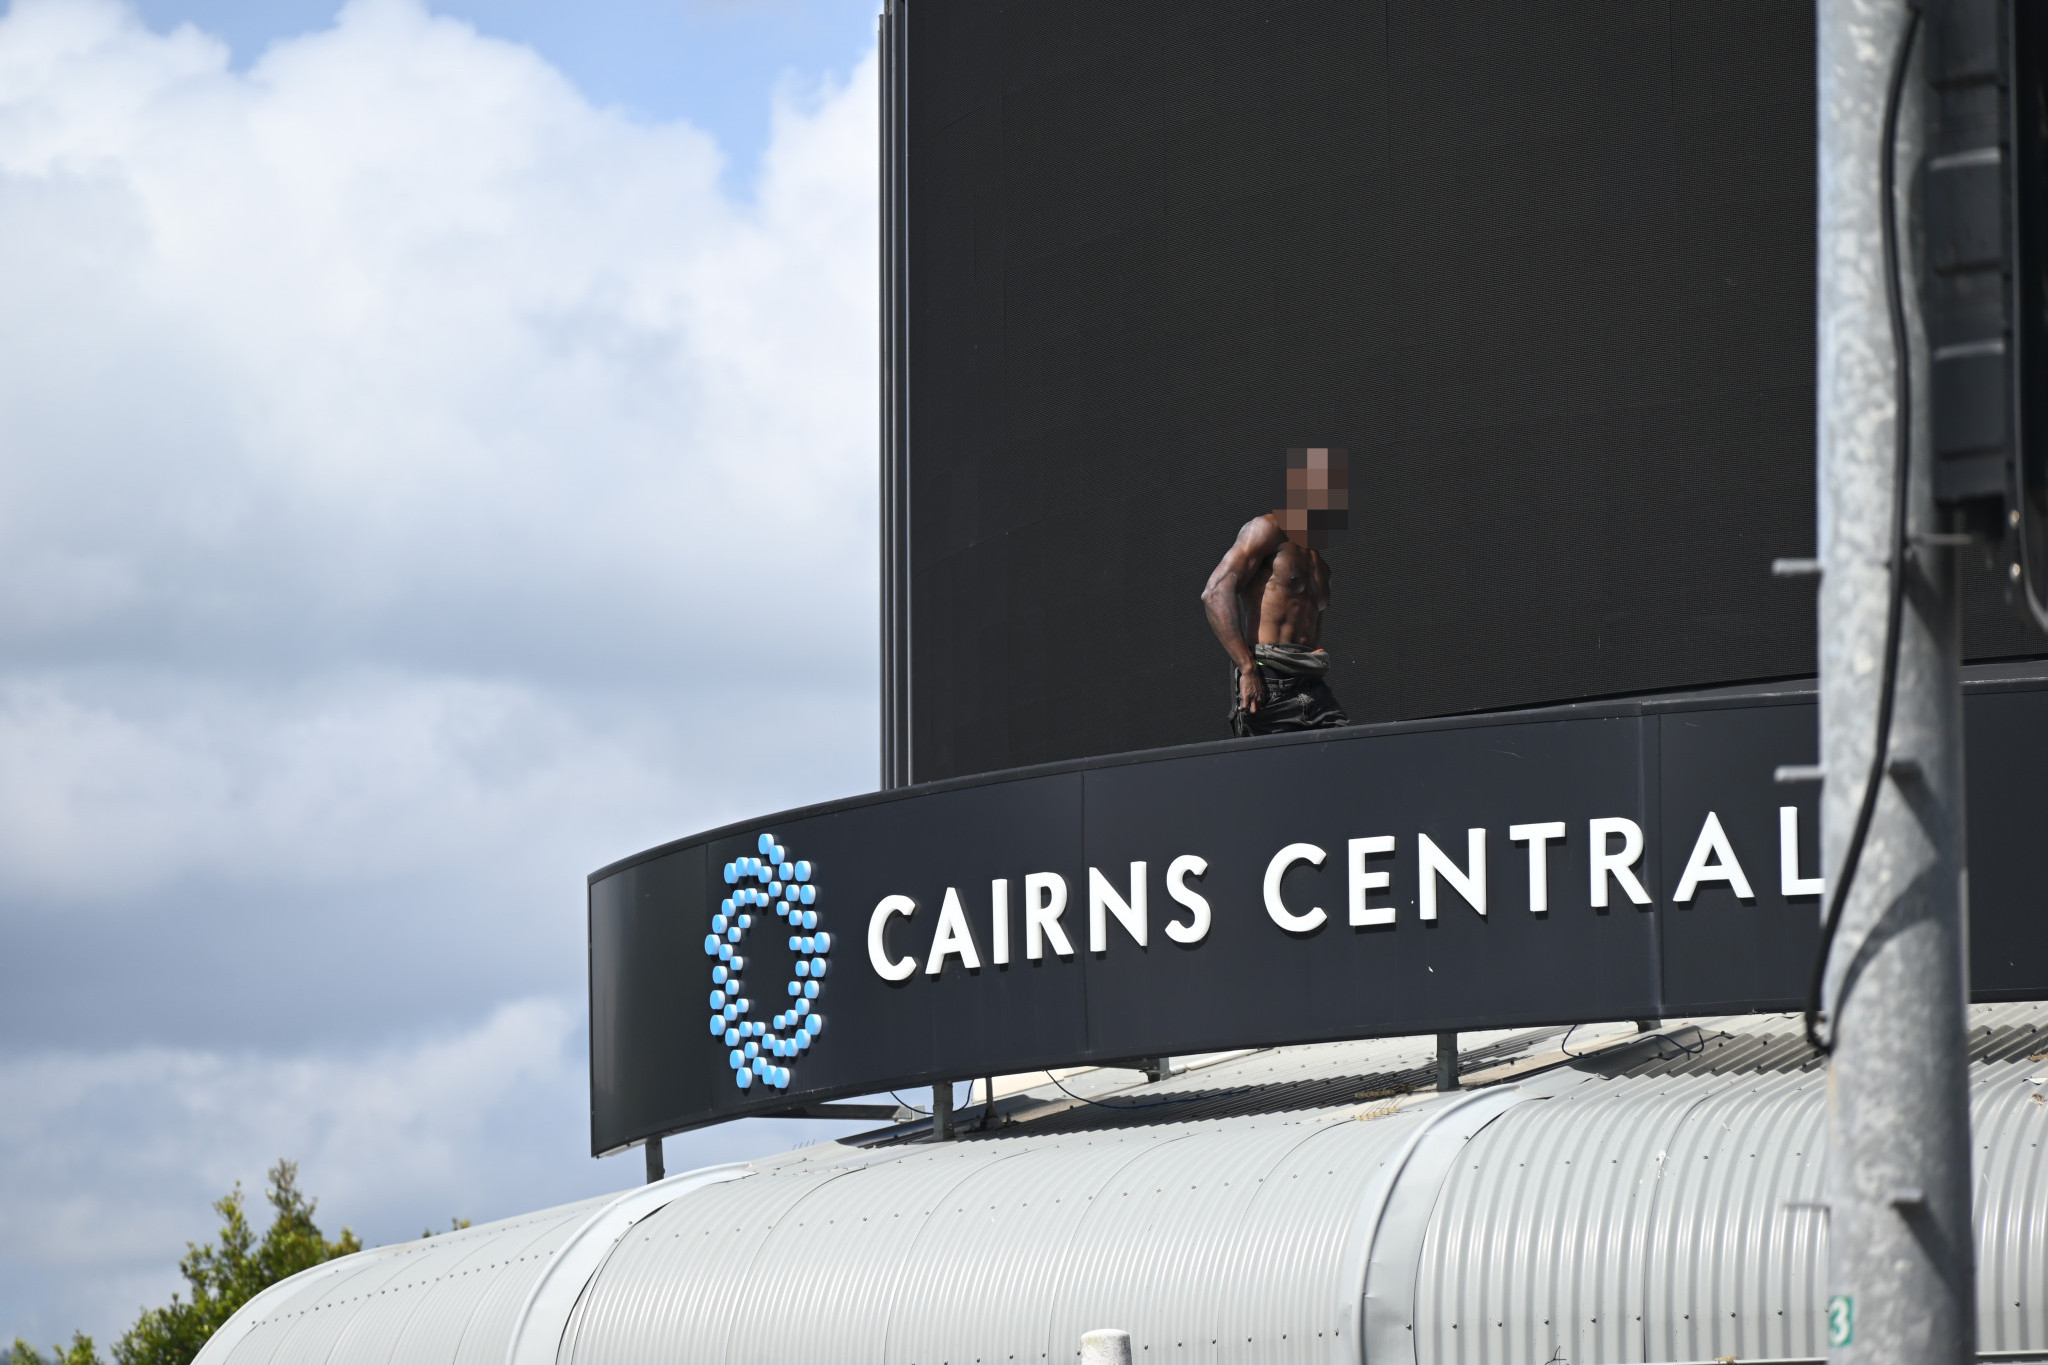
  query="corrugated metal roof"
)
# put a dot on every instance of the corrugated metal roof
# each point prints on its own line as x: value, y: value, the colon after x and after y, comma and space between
x: 1650, y: 1202
x: 450, y: 1299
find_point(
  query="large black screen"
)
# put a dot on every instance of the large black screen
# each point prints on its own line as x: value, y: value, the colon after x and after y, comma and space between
x: 1545, y: 269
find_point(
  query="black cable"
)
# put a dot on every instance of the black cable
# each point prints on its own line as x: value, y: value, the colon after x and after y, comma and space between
x: 1150, y: 1104
x: 1902, y: 434
x: 921, y: 1113
x: 1660, y: 1037
x: 1683, y: 1051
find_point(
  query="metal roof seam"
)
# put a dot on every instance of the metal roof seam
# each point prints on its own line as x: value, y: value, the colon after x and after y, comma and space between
x: 1404, y: 1209
x: 546, y: 1307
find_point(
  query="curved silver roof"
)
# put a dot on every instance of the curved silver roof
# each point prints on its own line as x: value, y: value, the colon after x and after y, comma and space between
x: 1655, y: 1201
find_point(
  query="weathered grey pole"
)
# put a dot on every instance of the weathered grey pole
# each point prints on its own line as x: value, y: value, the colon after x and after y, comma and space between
x: 1447, y: 1061
x: 654, y: 1167
x: 1898, y: 1157
x: 942, y: 1112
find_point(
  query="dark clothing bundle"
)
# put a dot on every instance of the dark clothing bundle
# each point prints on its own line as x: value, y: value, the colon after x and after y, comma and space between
x: 1297, y: 698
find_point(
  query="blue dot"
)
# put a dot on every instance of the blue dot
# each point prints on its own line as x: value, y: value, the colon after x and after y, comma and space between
x: 804, y: 945
x: 810, y: 990
x: 817, y: 966
x: 810, y: 919
x: 816, y: 1023
x: 794, y: 944
x: 718, y: 1000
x: 803, y: 870
x: 724, y: 949
x: 719, y: 923
x: 824, y: 943
x: 732, y: 1037
x: 746, y: 1006
x: 745, y: 1078
x: 803, y: 1042
x: 774, y: 890
x: 753, y: 1049
x: 719, y: 974
x: 732, y: 874
x: 803, y: 968
x: 782, y: 908
x: 809, y: 896
x: 795, y: 989
x: 746, y: 921
x: 732, y: 935
x: 786, y: 872
x: 739, y: 964
x: 717, y: 1025
x: 803, y: 1007
x: 711, y: 943
x: 765, y: 842
x: 776, y: 852
x: 757, y: 1065
x: 730, y: 1010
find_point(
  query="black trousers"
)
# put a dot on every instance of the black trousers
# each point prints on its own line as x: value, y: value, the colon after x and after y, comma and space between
x: 1292, y: 703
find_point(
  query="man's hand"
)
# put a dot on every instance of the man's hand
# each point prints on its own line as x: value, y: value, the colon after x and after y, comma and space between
x: 1251, y: 689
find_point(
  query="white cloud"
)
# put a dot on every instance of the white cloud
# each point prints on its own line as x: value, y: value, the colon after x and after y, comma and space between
x: 417, y: 487
x: 482, y: 1124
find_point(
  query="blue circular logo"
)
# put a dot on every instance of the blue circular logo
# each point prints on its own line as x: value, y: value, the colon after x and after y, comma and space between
x: 758, y: 1049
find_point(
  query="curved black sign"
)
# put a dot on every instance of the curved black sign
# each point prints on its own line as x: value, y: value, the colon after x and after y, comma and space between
x: 1608, y: 861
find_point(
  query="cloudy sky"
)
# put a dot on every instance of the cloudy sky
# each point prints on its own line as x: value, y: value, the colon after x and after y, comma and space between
x: 436, y: 458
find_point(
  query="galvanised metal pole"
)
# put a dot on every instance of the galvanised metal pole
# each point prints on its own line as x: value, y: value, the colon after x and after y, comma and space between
x: 1898, y: 1157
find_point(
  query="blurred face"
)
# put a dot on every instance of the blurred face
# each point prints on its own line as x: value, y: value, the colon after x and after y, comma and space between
x: 1318, y: 496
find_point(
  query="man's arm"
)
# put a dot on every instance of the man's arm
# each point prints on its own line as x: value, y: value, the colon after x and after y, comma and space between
x: 1223, y: 600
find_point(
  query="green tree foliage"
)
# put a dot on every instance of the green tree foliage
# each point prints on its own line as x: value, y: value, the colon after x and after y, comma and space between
x: 79, y: 1352
x: 221, y: 1276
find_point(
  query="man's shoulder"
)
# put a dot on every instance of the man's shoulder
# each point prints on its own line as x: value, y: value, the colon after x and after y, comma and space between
x: 1263, y: 528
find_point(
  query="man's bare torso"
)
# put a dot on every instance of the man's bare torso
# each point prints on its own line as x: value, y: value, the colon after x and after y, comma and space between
x: 1286, y: 596
x: 1267, y: 590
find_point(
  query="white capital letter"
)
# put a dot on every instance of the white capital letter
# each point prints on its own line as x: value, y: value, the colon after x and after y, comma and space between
x: 1197, y: 927
x: 1436, y: 863
x: 1538, y: 838
x: 1617, y: 863
x: 1789, y: 880
x: 1102, y: 897
x: 1712, y: 841
x: 1363, y: 881
x: 952, y: 937
x: 1045, y: 900
x: 1277, y: 908
x: 999, y: 913
x: 878, y: 947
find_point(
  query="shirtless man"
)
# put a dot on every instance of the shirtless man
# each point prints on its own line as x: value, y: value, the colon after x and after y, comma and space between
x: 1266, y: 598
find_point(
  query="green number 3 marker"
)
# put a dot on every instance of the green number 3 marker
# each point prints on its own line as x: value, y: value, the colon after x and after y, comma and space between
x: 1841, y: 1320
